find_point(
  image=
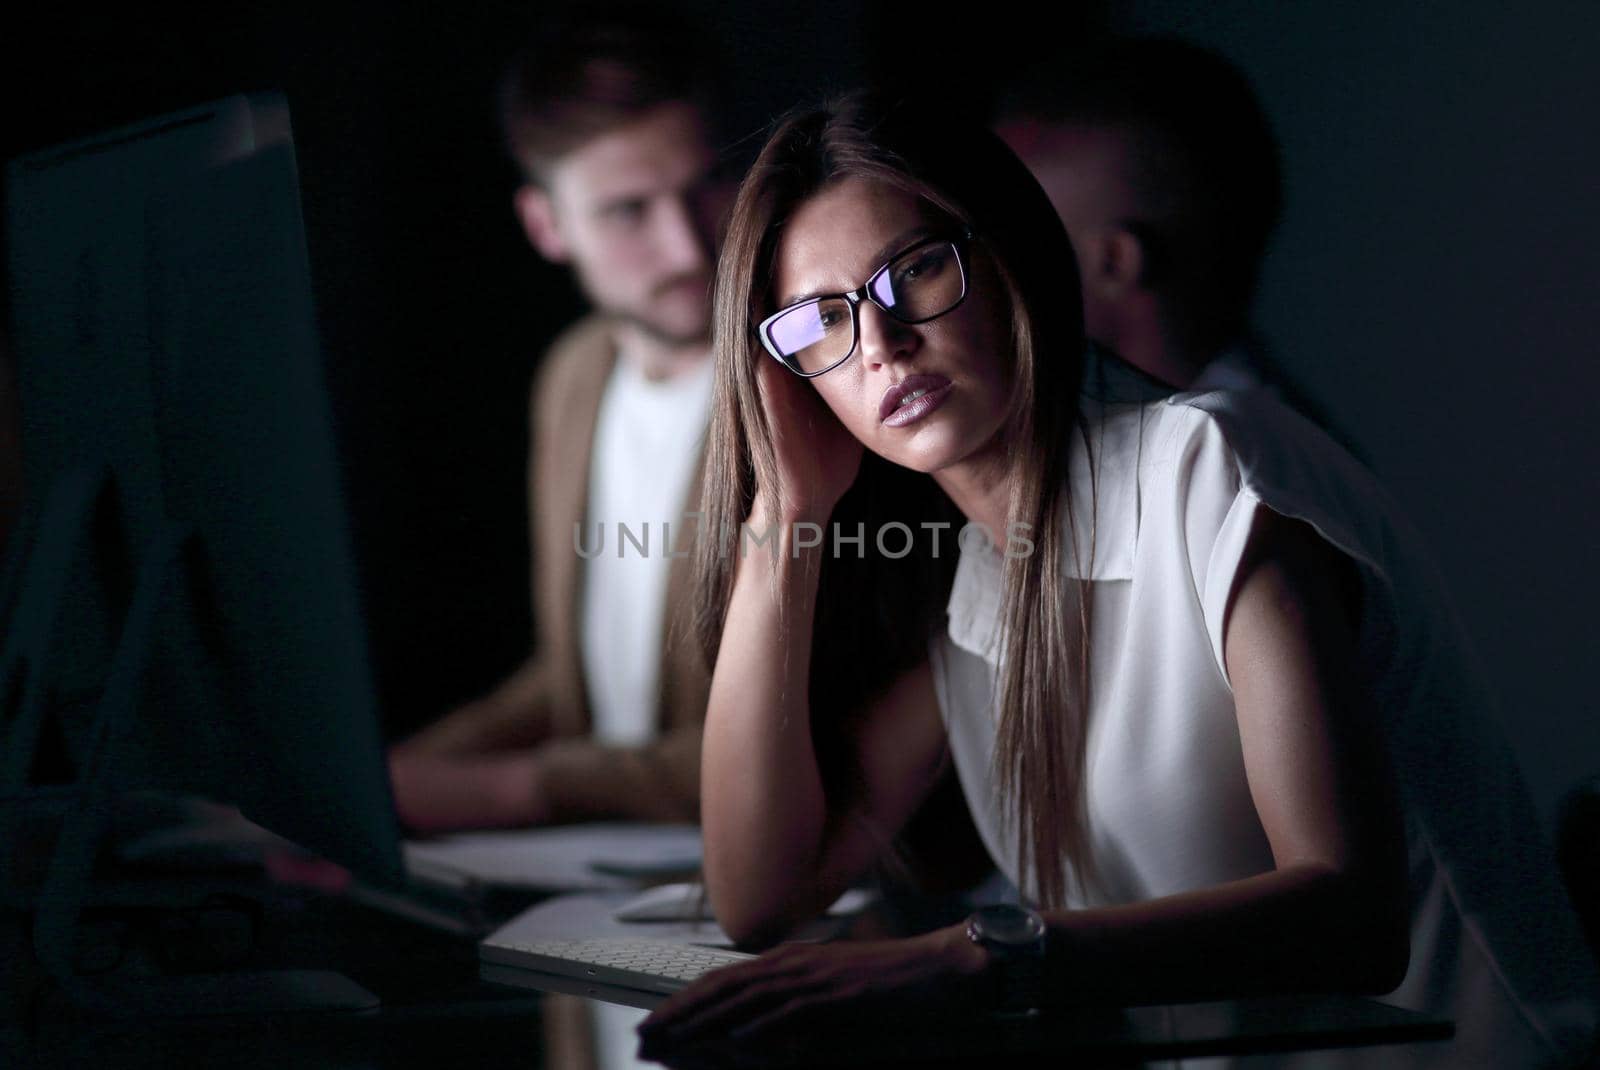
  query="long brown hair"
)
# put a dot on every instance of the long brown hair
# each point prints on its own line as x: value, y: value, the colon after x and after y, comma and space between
x: 875, y: 615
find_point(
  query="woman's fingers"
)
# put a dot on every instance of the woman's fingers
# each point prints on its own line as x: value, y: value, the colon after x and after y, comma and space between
x: 712, y: 993
x: 711, y: 1008
x: 795, y: 1014
x: 818, y: 458
x: 795, y: 993
x: 783, y: 1012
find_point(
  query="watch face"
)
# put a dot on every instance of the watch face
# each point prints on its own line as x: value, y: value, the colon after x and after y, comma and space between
x: 1006, y: 924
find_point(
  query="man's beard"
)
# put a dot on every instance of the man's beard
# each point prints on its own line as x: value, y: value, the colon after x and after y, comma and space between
x: 658, y: 332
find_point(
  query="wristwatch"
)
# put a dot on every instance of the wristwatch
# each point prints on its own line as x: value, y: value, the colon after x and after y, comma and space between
x: 1014, y: 936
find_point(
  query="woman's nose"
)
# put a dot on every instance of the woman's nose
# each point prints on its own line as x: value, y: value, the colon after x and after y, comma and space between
x: 884, y: 338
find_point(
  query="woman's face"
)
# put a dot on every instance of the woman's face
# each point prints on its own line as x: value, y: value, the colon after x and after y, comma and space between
x: 962, y: 362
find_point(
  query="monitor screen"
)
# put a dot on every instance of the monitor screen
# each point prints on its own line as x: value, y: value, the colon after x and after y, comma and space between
x: 165, y: 335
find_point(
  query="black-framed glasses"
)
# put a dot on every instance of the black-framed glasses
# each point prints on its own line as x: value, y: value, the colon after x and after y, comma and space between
x: 818, y: 334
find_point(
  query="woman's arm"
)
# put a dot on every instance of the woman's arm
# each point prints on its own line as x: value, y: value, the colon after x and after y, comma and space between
x: 778, y: 851
x: 1332, y: 914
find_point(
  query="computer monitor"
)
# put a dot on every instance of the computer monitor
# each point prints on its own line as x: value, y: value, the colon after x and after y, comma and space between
x: 172, y: 397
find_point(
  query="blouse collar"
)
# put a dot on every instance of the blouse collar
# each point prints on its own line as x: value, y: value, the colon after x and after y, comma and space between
x: 1103, y: 480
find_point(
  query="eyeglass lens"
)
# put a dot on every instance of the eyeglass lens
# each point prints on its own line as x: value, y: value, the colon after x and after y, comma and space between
x: 918, y: 285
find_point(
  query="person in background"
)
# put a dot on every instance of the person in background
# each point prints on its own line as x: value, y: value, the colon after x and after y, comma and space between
x: 609, y: 119
x: 1160, y: 161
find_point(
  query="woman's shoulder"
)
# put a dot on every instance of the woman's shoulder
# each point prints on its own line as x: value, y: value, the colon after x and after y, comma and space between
x: 1271, y: 447
x: 1185, y: 461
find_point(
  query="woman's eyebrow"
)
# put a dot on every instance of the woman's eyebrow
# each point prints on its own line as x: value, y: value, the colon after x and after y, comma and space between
x: 889, y: 250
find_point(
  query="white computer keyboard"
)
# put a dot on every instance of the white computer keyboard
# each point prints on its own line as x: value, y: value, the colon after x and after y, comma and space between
x: 633, y: 962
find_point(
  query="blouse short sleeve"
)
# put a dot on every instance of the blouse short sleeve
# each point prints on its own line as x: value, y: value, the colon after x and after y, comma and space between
x: 1236, y: 454
x: 1217, y: 513
x: 1173, y: 488
x: 1478, y: 868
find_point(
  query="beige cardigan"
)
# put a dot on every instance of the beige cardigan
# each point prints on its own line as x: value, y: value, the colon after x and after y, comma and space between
x: 544, y: 704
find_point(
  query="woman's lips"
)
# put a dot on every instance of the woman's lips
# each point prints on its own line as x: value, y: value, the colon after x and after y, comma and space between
x: 912, y: 398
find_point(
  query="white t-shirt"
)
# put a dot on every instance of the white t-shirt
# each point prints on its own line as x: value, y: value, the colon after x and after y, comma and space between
x: 1493, y: 943
x: 646, y: 442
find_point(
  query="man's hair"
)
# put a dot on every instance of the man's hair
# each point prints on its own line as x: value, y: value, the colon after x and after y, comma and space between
x: 1204, y: 161
x: 586, y: 72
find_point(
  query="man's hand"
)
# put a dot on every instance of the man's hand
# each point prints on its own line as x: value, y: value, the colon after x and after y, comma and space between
x: 443, y: 793
x: 798, y: 993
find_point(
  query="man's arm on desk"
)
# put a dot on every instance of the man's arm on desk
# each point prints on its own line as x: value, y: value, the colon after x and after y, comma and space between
x: 514, y: 716
x: 583, y: 780
x: 441, y: 788
x: 472, y: 768
x: 561, y: 782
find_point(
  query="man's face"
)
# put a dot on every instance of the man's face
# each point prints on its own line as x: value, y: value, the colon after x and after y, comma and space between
x: 636, y: 213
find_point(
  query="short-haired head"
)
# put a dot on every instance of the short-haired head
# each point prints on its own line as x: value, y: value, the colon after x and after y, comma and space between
x: 1197, y: 158
x: 588, y: 71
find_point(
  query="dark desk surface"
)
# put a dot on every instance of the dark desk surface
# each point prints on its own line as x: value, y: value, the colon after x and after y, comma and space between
x: 1126, y: 1037
x: 437, y: 1012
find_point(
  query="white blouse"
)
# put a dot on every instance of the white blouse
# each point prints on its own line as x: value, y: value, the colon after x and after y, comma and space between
x: 1177, y: 485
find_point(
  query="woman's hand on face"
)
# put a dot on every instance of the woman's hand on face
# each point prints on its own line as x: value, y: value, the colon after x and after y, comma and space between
x: 817, y: 457
x: 791, y: 997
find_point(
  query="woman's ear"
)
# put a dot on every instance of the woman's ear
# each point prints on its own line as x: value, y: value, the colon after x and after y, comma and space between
x: 536, y: 212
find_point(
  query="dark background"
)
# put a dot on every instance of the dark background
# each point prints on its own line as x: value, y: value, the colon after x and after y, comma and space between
x: 1434, y: 286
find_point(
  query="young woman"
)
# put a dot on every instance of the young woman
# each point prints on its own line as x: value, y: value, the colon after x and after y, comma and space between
x: 1203, y: 698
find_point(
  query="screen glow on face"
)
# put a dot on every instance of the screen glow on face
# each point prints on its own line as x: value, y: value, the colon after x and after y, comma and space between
x: 917, y: 285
